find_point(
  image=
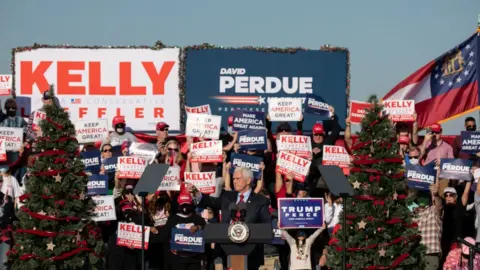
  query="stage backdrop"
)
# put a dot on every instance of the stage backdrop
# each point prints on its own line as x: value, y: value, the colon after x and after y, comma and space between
x: 141, y: 84
x: 230, y: 79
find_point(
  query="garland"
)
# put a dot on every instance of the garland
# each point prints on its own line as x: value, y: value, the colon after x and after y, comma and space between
x: 60, y: 257
x: 372, y: 246
x: 45, y: 217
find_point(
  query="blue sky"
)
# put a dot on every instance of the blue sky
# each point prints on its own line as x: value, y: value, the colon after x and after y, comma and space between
x: 388, y: 40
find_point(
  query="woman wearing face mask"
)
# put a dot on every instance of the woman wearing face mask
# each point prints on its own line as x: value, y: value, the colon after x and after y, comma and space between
x: 300, y: 248
x: 119, y: 133
x: 185, y: 218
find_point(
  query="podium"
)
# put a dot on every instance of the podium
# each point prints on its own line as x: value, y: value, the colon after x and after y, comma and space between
x: 258, y: 234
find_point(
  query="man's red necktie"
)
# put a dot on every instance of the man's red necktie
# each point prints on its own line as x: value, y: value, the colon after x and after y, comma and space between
x: 237, y: 216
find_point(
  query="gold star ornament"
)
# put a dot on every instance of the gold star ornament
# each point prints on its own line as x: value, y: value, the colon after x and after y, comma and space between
x: 395, y: 196
x: 42, y: 213
x: 362, y: 224
x: 356, y: 184
x: 382, y: 252
x: 58, y: 178
x: 50, y: 246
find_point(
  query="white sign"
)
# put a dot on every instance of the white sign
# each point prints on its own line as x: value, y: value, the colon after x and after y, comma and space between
x: 205, y: 182
x: 171, y: 180
x: 207, y: 152
x: 295, y: 144
x: 130, y: 235
x: 204, y: 109
x: 104, y: 209
x: 37, y: 117
x: 335, y: 155
x: 141, y: 84
x: 288, y: 163
x: 147, y: 151
x: 203, y: 125
x: 400, y: 110
x: 285, y: 109
x: 3, y: 152
x: 13, y: 138
x: 131, y: 167
x: 5, y: 84
x: 91, y: 131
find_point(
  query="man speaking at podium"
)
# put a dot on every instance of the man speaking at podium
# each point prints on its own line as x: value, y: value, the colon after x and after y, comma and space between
x: 256, y: 206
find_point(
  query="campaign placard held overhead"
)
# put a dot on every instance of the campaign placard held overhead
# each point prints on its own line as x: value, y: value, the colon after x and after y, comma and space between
x: 37, y: 117
x: 13, y: 138
x: 285, y: 109
x: 277, y: 234
x: 252, y: 139
x: 171, y: 180
x: 455, y: 169
x: 92, y: 161
x: 336, y: 156
x: 91, y: 130
x: 316, y: 105
x: 206, y: 152
x: 246, y: 161
x: 3, y: 151
x: 204, y: 109
x: 97, y: 184
x: 400, y: 110
x: 289, y: 163
x: 294, y: 213
x: 203, y: 126
x: 6, y: 81
x: 205, y: 182
x: 131, y: 167
x: 420, y: 177
x: 130, y: 235
x: 298, y: 145
x: 184, y: 240
x: 358, y: 111
x: 104, y: 208
x: 147, y: 151
x: 110, y: 165
x: 470, y: 142
x: 243, y: 120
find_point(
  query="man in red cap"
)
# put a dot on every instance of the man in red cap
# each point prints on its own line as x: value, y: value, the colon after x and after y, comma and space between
x: 320, y: 137
x: 119, y: 134
x: 46, y: 100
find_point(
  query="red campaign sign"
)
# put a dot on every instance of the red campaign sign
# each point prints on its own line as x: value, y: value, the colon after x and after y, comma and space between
x: 400, y: 110
x: 204, y: 181
x: 357, y: 111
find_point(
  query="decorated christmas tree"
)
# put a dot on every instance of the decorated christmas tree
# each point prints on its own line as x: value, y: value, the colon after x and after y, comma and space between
x: 55, y: 228
x: 381, y: 233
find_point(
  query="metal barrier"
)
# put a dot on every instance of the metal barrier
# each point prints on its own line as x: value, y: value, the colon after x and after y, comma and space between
x: 472, y: 249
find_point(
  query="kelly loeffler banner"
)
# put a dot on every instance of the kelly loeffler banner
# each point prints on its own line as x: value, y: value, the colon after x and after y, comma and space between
x: 246, y: 79
x: 140, y: 84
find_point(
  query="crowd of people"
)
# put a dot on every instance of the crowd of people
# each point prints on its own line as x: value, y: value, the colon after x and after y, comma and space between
x: 448, y: 211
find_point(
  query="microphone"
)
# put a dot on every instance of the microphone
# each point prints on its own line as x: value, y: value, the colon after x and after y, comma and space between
x: 242, y: 208
x: 232, y: 208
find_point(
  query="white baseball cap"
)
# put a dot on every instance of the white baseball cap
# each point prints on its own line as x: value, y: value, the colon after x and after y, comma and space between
x: 450, y: 190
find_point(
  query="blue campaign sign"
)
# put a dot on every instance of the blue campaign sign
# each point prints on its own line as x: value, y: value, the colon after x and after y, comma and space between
x: 110, y: 164
x: 316, y: 105
x: 300, y: 213
x: 455, y: 169
x: 251, y: 162
x: 277, y: 234
x: 471, y: 142
x: 420, y: 177
x: 243, y: 120
x: 184, y: 240
x: 92, y: 161
x: 245, y: 79
x: 97, y: 184
x: 252, y: 139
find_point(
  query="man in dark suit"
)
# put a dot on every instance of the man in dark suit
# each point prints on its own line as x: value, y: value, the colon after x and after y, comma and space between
x: 257, y: 206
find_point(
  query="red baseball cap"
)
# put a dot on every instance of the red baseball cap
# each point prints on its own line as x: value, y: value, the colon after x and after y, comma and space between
x: 318, y: 129
x: 436, y: 127
x: 403, y: 140
x: 118, y: 120
x: 184, y: 198
x: 230, y: 120
x: 162, y: 125
x: 124, y: 145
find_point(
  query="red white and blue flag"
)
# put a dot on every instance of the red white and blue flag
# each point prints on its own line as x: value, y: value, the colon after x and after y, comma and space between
x: 445, y: 87
x: 76, y: 100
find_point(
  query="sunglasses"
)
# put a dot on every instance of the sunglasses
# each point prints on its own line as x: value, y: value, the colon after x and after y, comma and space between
x: 283, y: 130
x: 317, y: 135
x: 435, y: 133
x: 163, y: 129
x: 173, y: 149
x: 107, y: 150
x: 414, y: 157
x: 450, y: 195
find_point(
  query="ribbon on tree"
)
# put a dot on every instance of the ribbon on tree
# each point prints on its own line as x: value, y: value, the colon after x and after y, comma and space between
x: 372, y: 246
x: 359, y: 145
x: 373, y: 178
x: 394, y: 264
x: 57, y: 125
x: 49, y: 173
x: 51, y: 153
x: 356, y: 169
x: 61, y: 139
x: 45, y: 217
x: 28, y: 195
x: 60, y: 257
x: 376, y: 161
x: 44, y: 233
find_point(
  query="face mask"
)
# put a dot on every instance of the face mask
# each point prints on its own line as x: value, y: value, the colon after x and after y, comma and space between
x: 414, y: 161
x: 471, y: 128
x: 230, y: 129
x: 186, y: 209
x: 11, y: 113
x: 119, y: 130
